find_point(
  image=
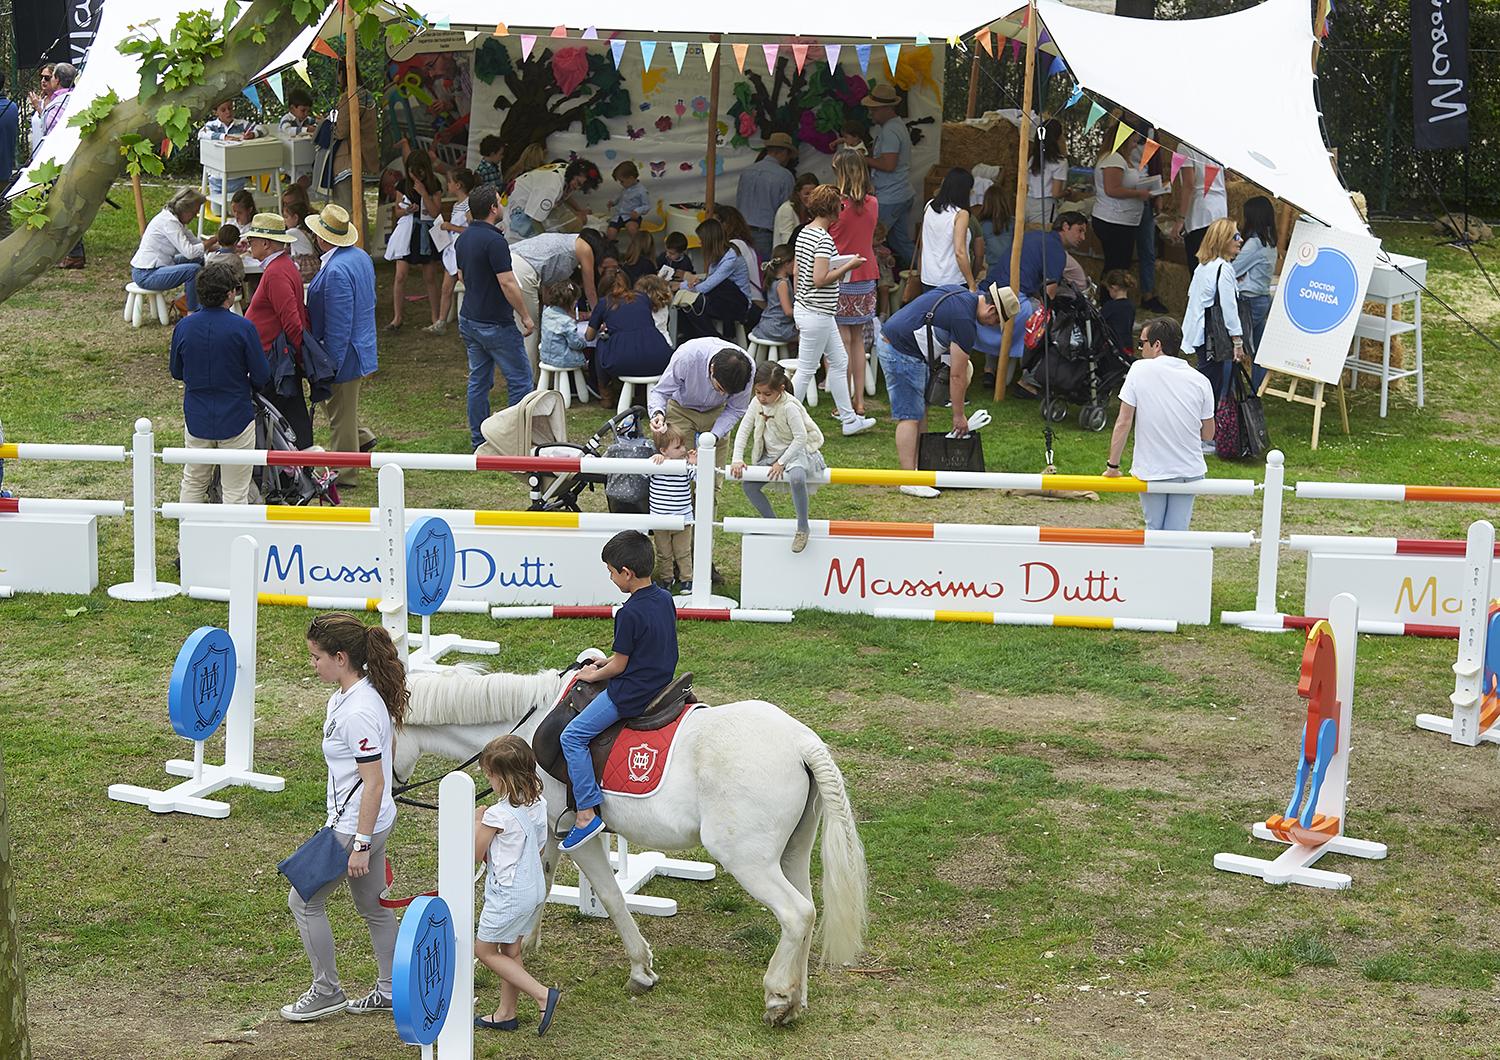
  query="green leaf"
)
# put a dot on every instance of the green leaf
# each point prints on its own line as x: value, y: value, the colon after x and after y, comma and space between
x: 74, y: 612
x: 88, y: 119
x: 594, y: 131
x: 369, y: 31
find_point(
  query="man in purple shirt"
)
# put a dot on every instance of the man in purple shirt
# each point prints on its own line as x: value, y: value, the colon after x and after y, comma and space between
x: 706, y: 387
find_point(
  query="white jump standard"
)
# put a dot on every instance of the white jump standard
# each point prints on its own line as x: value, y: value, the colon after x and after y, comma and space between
x: 1475, y: 698
x: 1314, y: 821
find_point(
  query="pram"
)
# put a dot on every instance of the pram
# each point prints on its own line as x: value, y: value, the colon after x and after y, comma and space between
x: 1076, y: 362
x: 282, y: 484
x: 535, y: 426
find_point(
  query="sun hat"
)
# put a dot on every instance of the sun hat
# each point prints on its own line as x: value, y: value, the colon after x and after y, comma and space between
x: 331, y: 224
x: 268, y: 226
x: 1005, y: 299
x: 881, y: 96
x: 781, y: 140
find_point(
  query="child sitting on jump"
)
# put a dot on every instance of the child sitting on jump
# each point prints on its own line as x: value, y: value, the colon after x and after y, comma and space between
x: 783, y: 437
x: 509, y: 836
x: 673, y: 495
x: 643, y: 663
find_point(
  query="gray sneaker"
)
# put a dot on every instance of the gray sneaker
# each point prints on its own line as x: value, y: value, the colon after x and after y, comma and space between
x: 373, y: 1002
x: 314, y: 1006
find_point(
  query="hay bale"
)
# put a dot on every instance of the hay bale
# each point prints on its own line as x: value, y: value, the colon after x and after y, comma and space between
x: 989, y: 140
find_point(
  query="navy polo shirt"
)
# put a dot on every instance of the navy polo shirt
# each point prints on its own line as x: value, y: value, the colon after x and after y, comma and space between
x: 646, y: 633
x: 957, y: 315
x: 483, y: 254
x: 218, y: 357
x: 1043, y: 258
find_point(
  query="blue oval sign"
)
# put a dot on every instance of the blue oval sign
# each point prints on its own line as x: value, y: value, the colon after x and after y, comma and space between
x: 423, y: 972
x: 430, y: 562
x: 202, y: 683
x: 1322, y: 289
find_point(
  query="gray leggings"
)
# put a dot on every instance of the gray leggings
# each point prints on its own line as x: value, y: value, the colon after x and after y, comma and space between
x: 796, y: 478
x: 317, y: 935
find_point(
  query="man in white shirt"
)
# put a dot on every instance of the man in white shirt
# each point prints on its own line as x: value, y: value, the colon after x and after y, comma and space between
x: 1176, y: 408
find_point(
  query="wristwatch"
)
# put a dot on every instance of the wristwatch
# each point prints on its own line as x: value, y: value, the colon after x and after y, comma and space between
x: 360, y: 846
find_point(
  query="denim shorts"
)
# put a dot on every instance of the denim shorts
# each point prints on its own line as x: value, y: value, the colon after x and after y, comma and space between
x: 905, y: 381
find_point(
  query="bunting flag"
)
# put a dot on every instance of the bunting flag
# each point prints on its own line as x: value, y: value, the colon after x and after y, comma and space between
x: 560, y: 31
x: 1177, y: 161
x: 710, y: 55
x: 1095, y: 113
x: 470, y: 36
x: 799, y: 55
x: 648, y: 49
x: 442, y: 24
x: 617, y: 51
x: 591, y: 34
x: 740, y: 51
x: 322, y: 47
x: 1057, y: 67
x: 1043, y: 37
x: 1025, y: 18
x: 528, y: 41
x: 863, y: 52
x: 166, y: 148
x: 1146, y: 152
x: 893, y: 57
x: 301, y: 67
x: 679, y: 53
x: 501, y: 30
x: 1074, y: 96
x: 771, y: 51
x: 1121, y: 135
x: 987, y: 40
x: 274, y: 80
x: 922, y: 41
x: 1210, y: 172
x: 252, y: 94
x: 831, y: 53
x: 1015, y: 49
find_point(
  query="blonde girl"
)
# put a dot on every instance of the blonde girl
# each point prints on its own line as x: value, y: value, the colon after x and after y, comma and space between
x: 359, y: 736
x: 508, y: 837
x: 854, y: 233
x: 783, y: 437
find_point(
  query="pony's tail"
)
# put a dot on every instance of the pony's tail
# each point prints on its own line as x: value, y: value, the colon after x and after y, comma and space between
x: 845, y: 878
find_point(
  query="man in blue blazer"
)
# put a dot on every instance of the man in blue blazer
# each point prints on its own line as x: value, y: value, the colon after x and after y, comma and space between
x: 341, y: 312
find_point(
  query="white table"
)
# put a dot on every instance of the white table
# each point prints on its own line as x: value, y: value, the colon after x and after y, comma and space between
x: 227, y: 160
x: 297, y: 155
x: 1391, y: 288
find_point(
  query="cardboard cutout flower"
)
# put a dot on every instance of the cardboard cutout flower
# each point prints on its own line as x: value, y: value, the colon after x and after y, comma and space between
x: 747, y: 124
x: 569, y: 68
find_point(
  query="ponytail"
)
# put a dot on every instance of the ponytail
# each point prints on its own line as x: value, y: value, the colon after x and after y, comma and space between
x: 370, y: 651
x: 771, y: 374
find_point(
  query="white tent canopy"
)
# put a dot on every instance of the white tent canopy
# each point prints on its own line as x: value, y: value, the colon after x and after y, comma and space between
x: 1185, y: 78
x: 107, y: 69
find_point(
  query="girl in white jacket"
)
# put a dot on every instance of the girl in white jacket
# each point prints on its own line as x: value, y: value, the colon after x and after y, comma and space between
x: 781, y: 436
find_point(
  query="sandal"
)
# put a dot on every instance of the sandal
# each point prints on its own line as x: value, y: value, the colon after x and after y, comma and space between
x: 394, y: 325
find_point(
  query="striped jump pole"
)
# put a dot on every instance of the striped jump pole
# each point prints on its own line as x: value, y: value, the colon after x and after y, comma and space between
x: 592, y: 465
x: 1262, y: 622
x: 1380, y: 546
x: 1474, y: 701
x: 455, y: 517
x: 699, y: 614
x: 1011, y: 535
x: 330, y: 603
x: 870, y: 476
x: 1016, y: 618
x: 143, y: 584
x: 108, y: 454
x: 44, y: 506
x: 1377, y: 491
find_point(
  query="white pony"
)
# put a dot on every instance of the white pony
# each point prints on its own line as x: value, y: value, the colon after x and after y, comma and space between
x: 747, y: 782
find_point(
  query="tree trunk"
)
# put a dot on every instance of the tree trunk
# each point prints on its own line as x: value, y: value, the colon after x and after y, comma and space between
x: 96, y: 165
x: 14, y: 1042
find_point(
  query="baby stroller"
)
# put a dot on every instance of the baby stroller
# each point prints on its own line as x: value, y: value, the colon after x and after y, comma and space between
x: 1076, y: 362
x: 535, y: 426
x: 282, y: 484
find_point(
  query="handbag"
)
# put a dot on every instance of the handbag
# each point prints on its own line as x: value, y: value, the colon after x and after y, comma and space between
x: 321, y: 859
x: 913, y: 289
x: 1227, y: 441
x: 1215, y: 332
x: 1255, y: 438
x: 939, y: 452
x: 939, y: 377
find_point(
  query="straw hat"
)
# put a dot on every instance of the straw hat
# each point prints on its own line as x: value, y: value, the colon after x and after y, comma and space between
x: 781, y: 140
x: 331, y: 224
x: 268, y: 226
x: 882, y: 96
x: 1005, y: 299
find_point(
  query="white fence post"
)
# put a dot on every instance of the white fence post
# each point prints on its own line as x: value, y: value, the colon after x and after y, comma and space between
x: 143, y: 585
x: 1270, y: 534
x: 456, y: 887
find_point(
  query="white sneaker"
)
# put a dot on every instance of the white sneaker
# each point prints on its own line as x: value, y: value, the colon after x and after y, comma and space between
x: 857, y: 424
x: 920, y: 491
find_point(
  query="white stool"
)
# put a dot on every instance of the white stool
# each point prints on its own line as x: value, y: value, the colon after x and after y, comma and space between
x: 761, y: 349
x: 628, y: 383
x: 458, y: 302
x: 872, y: 371
x: 790, y: 364
x: 563, y: 380
x: 136, y: 301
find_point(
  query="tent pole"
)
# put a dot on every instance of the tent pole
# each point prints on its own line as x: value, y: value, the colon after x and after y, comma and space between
x: 140, y: 203
x: 711, y: 154
x: 356, y: 128
x: 973, y: 84
x: 1018, y: 226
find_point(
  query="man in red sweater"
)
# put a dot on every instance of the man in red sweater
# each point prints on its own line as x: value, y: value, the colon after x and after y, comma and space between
x: 277, y: 310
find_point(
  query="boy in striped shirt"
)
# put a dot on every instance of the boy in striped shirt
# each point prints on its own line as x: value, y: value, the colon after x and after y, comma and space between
x: 673, y: 495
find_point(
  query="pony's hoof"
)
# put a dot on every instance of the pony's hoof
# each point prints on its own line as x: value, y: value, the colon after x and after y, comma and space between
x: 638, y: 987
x: 781, y: 1012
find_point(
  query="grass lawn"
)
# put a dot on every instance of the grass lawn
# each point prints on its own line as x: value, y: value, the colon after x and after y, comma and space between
x: 1040, y: 808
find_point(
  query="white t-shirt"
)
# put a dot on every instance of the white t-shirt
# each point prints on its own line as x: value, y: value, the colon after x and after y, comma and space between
x: 1204, y: 210
x: 535, y: 194
x: 509, y: 843
x: 357, y: 729
x: 1171, y: 400
x: 1117, y: 211
x: 1036, y: 183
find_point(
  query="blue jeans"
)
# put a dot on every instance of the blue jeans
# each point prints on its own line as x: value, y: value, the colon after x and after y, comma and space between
x: 896, y: 217
x: 1145, y: 249
x: 1168, y: 511
x: 166, y: 277
x: 905, y: 381
x: 1260, y: 310
x: 595, y: 718
x: 523, y: 226
x: 492, y: 345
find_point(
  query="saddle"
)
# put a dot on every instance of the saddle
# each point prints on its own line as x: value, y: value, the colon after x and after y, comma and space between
x: 662, y: 711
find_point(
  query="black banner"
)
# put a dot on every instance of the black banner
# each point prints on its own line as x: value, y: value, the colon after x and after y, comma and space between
x: 83, y: 27
x: 1440, y: 73
x: 55, y: 31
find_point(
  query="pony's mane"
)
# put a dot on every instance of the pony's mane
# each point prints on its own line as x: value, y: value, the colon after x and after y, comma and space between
x: 466, y: 696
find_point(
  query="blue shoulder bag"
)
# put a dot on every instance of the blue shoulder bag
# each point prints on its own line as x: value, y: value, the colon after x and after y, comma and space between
x: 320, y: 860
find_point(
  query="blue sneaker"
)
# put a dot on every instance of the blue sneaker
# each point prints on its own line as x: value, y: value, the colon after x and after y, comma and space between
x: 580, y: 835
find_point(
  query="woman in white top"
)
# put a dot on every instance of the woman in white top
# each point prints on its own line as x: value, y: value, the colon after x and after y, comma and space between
x: 169, y: 255
x: 1047, y: 176
x: 1214, y: 275
x: 945, y: 233
x: 817, y: 301
x: 359, y: 737
x: 1120, y: 194
x: 792, y: 214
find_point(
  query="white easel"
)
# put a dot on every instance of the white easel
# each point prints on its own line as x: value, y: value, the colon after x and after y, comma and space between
x: 1476, y: 709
